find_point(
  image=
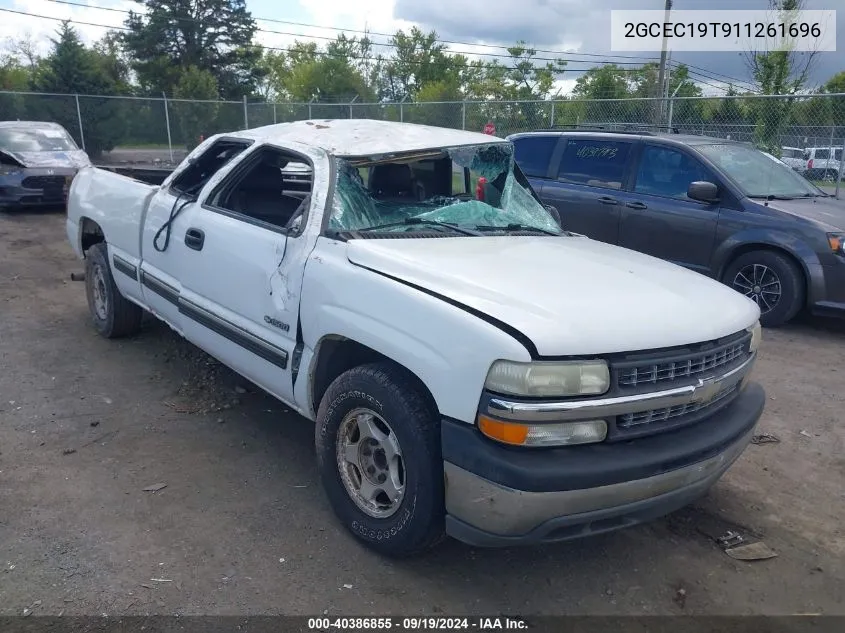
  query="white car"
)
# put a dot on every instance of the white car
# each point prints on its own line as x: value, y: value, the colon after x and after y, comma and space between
x: 823, y: 163
x: 794, y: 158
x: 472, y: 369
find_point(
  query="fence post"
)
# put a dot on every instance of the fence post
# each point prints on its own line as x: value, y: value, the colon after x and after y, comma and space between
x: 841, y: 169
x: 402, y: 109
x: 310, y: 116
x: 167, y: 121
x: 354, y: 99
x: 463, y: 115
x: 274, y: 114
x: 552, y: 115
x: 246, y: 118
x: 79, y: 118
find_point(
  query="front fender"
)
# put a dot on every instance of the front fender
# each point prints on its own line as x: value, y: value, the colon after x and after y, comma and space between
x: 777, y: 239
x: 447, y: 348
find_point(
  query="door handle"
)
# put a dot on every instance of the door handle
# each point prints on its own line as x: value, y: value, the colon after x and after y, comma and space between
x: 636, y: 205
x: 608, y: 200
x: 194, y: 238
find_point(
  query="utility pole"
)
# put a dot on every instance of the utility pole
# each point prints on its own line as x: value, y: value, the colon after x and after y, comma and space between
x: 661, y: 77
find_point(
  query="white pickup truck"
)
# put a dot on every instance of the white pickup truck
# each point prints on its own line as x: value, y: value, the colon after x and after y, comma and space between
x: 472, y: 369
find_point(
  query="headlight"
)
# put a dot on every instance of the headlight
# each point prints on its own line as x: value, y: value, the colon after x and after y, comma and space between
x: 837, y: 242
x: 554, y: 434
x: 756, y: 337
x: 549, y: 379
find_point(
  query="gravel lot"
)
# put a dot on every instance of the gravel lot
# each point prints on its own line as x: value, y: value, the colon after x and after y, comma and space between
x: 242, y: 526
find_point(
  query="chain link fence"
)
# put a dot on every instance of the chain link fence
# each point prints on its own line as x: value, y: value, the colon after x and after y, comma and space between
x: 798, y: 127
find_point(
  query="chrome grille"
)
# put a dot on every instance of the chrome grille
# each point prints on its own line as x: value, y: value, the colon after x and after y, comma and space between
x: 654, y: 372
x: 630, y: 420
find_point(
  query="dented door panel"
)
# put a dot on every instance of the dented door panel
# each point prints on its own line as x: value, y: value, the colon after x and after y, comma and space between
x: 240, y: 297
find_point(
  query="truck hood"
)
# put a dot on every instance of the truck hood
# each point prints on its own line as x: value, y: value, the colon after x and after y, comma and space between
x: 829, y: 211
x: 74, y: 159
x: 568, y: 295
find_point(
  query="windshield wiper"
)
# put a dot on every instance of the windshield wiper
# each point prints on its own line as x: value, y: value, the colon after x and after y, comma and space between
x: 772, y: 196
x: 412, y: 221
x: 515, y: 227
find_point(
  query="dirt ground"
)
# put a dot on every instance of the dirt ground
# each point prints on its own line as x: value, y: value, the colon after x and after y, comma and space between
x: 242, y: 526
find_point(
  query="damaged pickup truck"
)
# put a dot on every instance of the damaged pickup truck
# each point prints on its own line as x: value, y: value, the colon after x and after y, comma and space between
x: 472, y: 369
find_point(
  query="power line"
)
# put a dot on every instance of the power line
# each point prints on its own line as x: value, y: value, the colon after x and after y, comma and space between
x: 704, y: 72
x: 712, y: 74
x: 368, y: 33
x: 272, y: 48
x: 697, y: 75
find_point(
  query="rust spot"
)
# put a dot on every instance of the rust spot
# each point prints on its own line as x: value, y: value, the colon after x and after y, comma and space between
x: 322, y: 127
x: 309, y: 123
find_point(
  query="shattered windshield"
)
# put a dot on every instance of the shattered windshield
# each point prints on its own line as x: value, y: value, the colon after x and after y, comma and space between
x: 466, y: 190
x: 35, y: 139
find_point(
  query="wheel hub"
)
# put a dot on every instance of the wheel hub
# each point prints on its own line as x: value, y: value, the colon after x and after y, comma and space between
x: 99, y: 292
x: 370, y: 463
x: 759, y: 283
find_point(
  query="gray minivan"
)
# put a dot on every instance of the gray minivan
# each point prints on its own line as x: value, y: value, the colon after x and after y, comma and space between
x: 719, y: 207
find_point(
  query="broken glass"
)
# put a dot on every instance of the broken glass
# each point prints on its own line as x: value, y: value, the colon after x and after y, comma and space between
x: 506, y: 202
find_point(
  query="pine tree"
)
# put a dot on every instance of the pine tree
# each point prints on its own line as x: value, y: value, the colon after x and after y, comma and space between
x: 72, y: 69
x: 211, y: 35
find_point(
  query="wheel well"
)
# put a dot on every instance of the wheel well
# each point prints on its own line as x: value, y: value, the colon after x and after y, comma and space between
x: 91, y: 234
x: 747, y: 248
x: 338, y: 354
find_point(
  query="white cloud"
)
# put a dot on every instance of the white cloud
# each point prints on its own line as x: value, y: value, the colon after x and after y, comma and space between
x: 15, y: 26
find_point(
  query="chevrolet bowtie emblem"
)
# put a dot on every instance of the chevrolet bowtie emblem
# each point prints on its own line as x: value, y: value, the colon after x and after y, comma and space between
x: 706, y: 389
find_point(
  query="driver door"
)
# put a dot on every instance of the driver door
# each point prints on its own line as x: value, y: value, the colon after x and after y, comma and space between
x: 242, y: 262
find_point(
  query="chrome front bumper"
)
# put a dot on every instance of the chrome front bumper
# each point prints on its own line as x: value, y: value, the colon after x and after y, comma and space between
x: 556, y: 497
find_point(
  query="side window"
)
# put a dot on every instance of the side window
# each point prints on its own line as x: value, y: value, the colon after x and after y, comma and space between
x: 822, y: 153
x: 534, y: 153
x: 667, y: 172
x: 194, y: 177
x: 273, y: 188
x: 597, y: 163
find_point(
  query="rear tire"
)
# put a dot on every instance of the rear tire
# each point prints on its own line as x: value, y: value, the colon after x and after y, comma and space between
x: 113, y: 315
x: 770, y: 279
x: 830, y: 175
x: 379, y: 458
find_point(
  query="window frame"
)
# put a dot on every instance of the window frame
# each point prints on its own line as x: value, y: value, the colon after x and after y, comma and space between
x: 628, y: 166
x: 238, y: 171
x: 681, y: 150
x: 176, y: 175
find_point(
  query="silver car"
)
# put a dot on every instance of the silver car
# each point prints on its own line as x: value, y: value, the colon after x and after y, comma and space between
x: 37, y: 162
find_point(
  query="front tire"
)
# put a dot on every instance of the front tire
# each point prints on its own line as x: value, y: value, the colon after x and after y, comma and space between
x: 113, y: 314
x: 770, y: 279
x: 379, y: 458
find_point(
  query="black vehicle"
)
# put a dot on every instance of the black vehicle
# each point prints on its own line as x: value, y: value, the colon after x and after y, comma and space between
x: 37, y: 162
x: 718, y: 207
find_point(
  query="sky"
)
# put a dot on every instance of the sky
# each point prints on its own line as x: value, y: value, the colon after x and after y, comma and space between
x: 572, y: 27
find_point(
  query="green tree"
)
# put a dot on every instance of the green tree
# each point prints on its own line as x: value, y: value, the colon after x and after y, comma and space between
x: 13, y: 76
x: 211, y: 35
x: 418, y: 59
x: 778, y: 72
x: 198, y: 110
x: 335, y: 74
x: 70, y: 69
x: 604, y: 82
x: 836, y: 84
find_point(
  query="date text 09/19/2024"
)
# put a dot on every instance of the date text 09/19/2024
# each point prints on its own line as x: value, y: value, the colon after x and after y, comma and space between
x: 493, y: 623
